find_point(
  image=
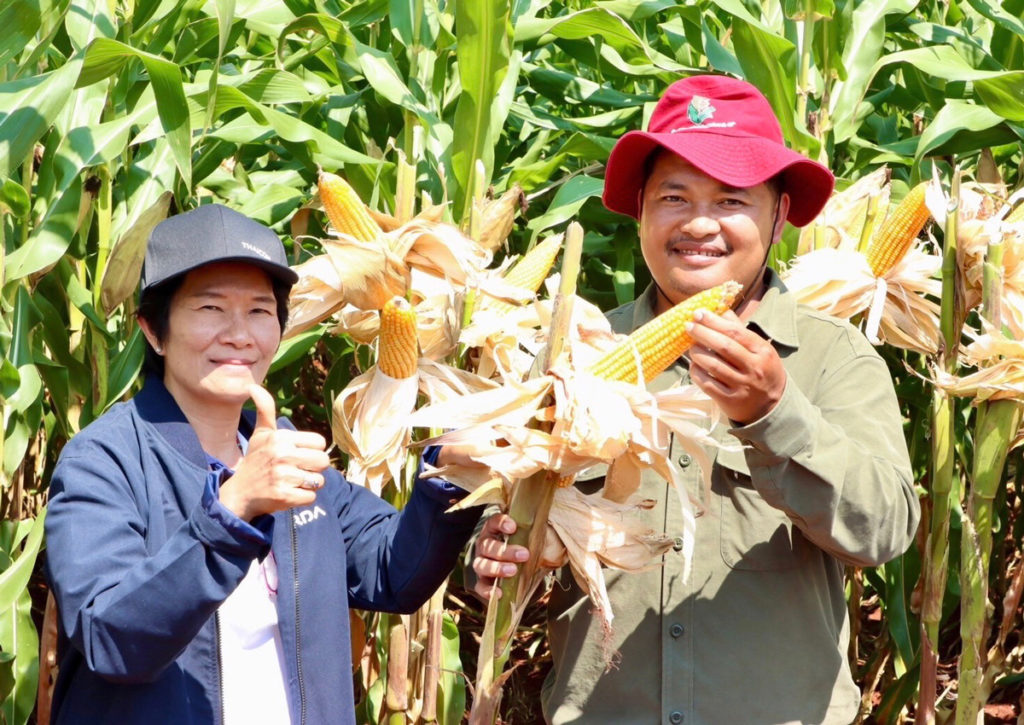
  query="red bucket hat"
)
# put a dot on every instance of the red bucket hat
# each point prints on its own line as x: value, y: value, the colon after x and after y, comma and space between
x: 727, y: 129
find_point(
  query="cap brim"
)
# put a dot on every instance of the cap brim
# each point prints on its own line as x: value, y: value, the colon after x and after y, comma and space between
x: 739, y: 161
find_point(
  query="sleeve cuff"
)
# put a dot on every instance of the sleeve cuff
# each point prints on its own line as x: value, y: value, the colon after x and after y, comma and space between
x: 434, y: 486
x: 221, y: 528
x: 785, y: 430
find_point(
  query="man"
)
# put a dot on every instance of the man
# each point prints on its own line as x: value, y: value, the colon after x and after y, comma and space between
x: 758, y: 633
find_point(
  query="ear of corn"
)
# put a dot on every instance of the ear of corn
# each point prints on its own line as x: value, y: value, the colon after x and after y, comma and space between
x: 661, y: 341
x: 497, y: 217
x: 898, y: 232
x: 530, y: 272
x: 397, y: 347
x: 345, y: 209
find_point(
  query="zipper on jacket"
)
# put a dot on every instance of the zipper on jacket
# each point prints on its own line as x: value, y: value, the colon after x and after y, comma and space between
x: 298, y: 621
x: 220, y: 664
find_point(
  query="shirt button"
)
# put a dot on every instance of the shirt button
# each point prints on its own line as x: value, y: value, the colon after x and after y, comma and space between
x: 685, y: 460
x: 677, y: 543
x: 675, y: 717
x: 676, y: 630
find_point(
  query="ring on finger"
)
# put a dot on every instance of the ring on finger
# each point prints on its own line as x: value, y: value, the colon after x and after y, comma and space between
x: 311, y: 482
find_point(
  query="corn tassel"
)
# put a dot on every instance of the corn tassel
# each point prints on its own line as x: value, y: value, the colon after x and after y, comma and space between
x: 397, y: 346
x: 898, y: 232
x: 346, y: 211
x: 661, y: 341
x: 530, y: 272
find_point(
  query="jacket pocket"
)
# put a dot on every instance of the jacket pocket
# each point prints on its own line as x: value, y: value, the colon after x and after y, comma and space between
x: 754, y: 535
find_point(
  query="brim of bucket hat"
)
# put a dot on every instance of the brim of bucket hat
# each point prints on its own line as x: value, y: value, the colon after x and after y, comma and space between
x: 734, y: 160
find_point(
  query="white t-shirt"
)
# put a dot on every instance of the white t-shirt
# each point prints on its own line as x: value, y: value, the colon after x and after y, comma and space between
x: 251, y: 655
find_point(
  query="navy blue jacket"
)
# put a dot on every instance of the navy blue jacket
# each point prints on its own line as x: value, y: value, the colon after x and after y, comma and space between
x: 140, y: 553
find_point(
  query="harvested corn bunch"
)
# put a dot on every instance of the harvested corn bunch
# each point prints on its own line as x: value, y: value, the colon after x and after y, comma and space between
x: 661, y: 341
x: 592, y: 421
x: 899, y: 231
x: 397, y: 348
x: 345, y: 209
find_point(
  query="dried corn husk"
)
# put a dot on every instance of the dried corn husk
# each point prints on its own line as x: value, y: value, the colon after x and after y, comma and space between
x: 597, y: 533
x: 900, y: 306
x: 317, y: 295
x: 901, y: 309
x: 1000, y: 369
x: 362, y: 326
x: 984, y: 222
x: 370, y: 417
x: 368, y: 423
x: 124, y: 266
x: 840, y: 224
x: 440, y: 250
x: 389, y: 223
x: 497, y: 215
x: 370, y: 274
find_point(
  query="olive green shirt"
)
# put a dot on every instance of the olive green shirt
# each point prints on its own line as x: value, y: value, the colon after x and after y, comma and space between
x: 759, y: 631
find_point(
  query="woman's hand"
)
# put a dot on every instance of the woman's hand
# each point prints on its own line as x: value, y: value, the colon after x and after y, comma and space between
x: 280, y: 470
x: 493, y: 559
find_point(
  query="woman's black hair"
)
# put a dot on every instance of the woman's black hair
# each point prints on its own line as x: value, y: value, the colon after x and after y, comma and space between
x: 155, y: 309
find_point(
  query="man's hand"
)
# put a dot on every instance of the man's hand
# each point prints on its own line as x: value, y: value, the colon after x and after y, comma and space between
x: 735, y: 366
x: 281, y: 468
x: 493, y: 559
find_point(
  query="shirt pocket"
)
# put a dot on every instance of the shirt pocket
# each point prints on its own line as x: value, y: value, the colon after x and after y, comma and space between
x: 754, y: 535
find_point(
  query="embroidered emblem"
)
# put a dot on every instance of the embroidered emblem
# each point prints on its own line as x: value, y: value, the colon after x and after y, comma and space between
x: 700, y: 110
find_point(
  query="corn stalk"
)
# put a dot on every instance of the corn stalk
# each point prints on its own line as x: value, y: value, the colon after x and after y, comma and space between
x: 529, y: 506
x: 995, y: 428
x: 944, y: 489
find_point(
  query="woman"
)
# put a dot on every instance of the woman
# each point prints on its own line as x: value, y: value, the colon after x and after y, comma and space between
x: 204, y: 559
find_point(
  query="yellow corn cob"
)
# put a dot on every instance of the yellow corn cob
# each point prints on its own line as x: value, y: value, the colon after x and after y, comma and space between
x: 898, y: 232
x: 532, y: 269
x: 397, y: 346
x: 345, y: 209
x: 662, y: 340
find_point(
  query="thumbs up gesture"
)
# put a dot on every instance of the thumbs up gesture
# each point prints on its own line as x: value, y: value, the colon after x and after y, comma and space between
x: 280, y: 470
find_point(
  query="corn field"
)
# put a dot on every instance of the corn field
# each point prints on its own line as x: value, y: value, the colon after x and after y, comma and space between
x: 495, y: 119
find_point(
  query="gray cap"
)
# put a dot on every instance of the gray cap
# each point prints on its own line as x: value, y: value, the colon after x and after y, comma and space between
x: 212, y: 233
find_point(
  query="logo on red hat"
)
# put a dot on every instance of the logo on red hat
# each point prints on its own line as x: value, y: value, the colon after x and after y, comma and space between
x: 700, y: 110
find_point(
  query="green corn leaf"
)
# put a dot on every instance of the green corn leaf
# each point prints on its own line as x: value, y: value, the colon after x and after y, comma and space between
x: 862, y: 46
x: 14, y: 197
x: 20, y: 20
x: 106, y: 57
x: 483, y: 50
x: 28, y: 107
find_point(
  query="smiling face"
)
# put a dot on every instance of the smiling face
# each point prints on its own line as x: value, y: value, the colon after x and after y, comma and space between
x: 222, y: 333
x: 696, y: 232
